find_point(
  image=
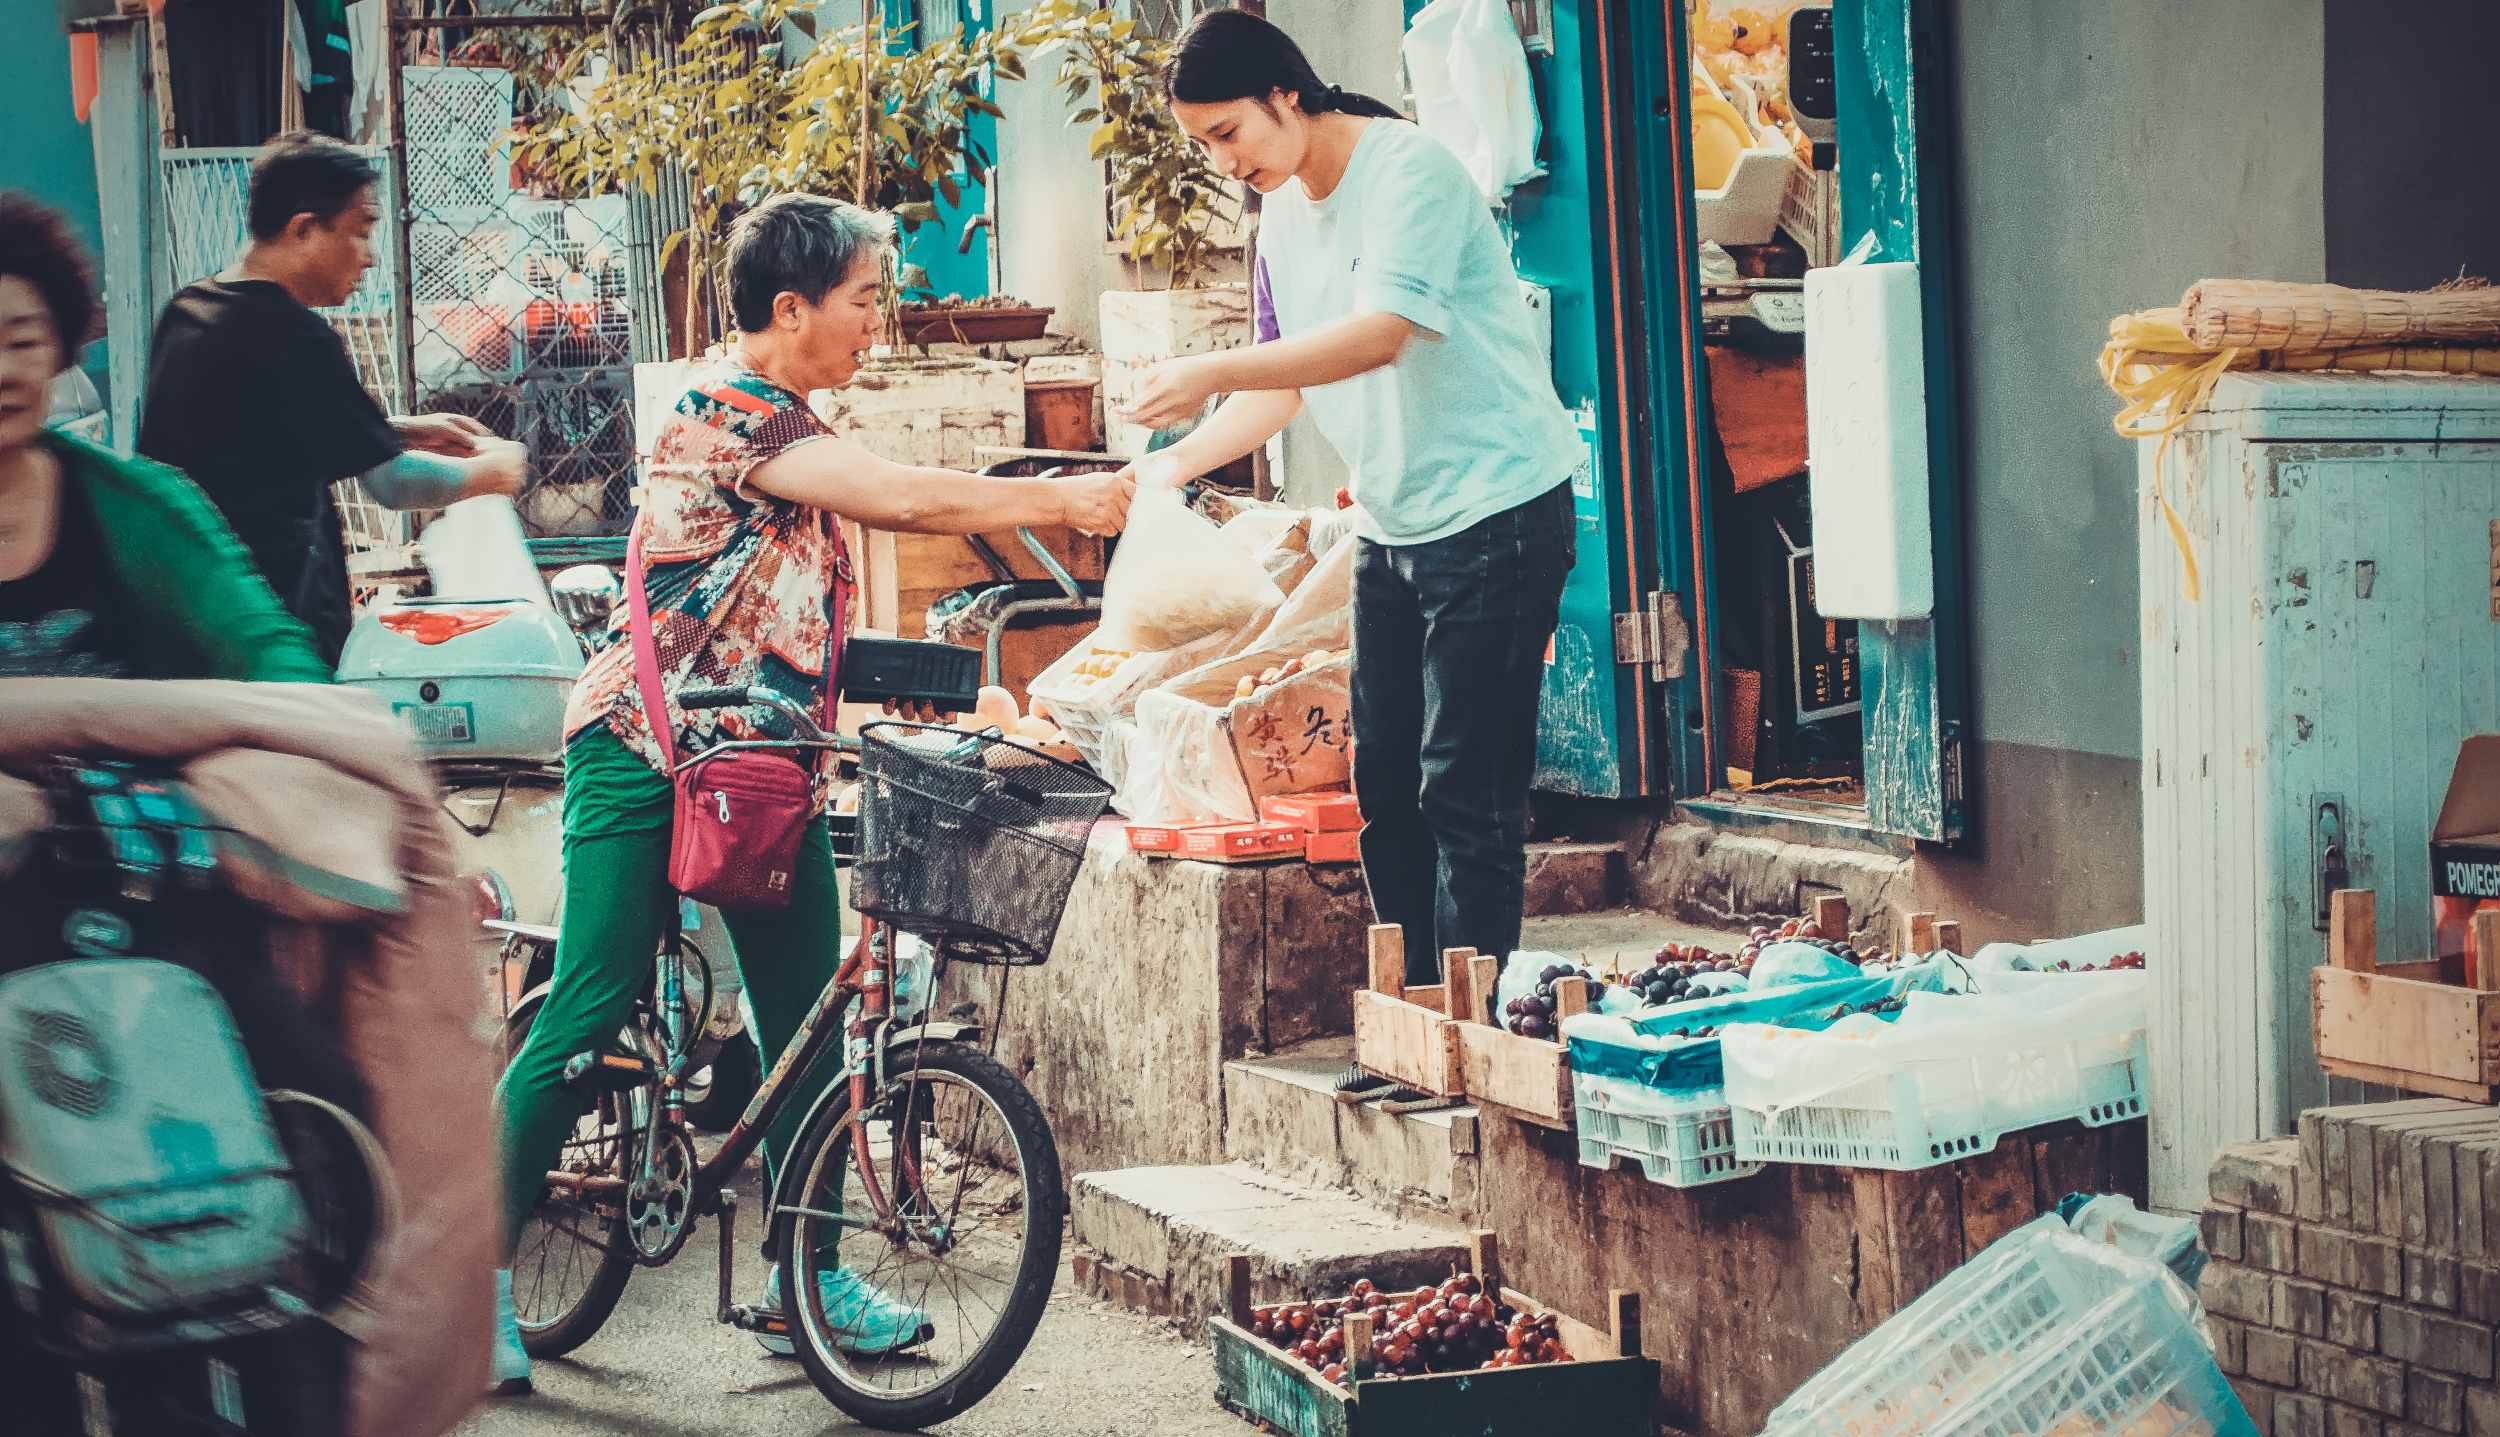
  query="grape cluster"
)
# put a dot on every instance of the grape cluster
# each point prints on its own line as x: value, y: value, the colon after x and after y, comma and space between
x: 1453, y: 1327
x: 1531, y: 1015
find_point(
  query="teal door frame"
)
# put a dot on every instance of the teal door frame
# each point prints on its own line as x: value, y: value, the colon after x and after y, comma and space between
x: 1572, y: 232
x: 1896, y: 187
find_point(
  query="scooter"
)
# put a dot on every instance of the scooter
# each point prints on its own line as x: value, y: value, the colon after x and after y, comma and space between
x: 482, y: 685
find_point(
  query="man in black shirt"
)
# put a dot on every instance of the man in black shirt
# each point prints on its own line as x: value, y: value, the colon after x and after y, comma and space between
x: 254, y: 396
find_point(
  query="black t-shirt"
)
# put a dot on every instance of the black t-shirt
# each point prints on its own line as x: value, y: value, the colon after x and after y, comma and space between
x: 254, y: 397
x: 70, y: 618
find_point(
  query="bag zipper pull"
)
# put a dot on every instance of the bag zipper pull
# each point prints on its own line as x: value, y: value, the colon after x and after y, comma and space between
x: 721, y: 797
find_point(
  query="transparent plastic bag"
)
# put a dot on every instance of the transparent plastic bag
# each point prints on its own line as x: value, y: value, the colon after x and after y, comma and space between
x: 1176, y: 579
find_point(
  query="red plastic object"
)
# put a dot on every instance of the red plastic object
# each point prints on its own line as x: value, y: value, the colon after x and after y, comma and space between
x: 435, y: 626
x: 1339, y: 845
x: 1313, y: 812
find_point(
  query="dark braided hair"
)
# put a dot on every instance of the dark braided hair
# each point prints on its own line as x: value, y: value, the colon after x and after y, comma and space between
x: 36, y: 246
x: 1235, y: 55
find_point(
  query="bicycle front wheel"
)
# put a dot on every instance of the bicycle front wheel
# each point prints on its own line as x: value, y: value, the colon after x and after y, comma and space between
x: 907, y: 1316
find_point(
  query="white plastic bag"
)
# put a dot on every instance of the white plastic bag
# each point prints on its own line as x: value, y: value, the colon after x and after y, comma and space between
x: 1471, y: 90
x: 1176, y: 579
x: 475, y: 550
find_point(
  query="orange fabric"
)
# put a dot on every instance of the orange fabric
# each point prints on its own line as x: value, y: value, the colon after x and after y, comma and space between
x: 435, y: 626
x: 1759, y: 401
x: 84, y: 77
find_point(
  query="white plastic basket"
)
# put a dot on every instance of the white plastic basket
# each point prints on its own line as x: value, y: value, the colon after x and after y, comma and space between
x: 1932, y: 1111
x: 1680, y: 1143
x: 2044, y: 1333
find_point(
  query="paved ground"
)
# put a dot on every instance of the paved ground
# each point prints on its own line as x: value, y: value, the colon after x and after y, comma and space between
x: 663, y: 1368
x: 1629, y: 934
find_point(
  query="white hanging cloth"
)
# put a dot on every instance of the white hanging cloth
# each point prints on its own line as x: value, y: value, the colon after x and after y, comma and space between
x: 1470, y: 79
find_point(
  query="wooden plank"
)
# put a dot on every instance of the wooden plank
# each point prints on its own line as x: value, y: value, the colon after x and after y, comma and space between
x: 1484, y: 974
x: 1237, y: 1289
x: 1613, y: 1397
x: 1358, y: 1345
x: 1831, y: 917
x: 1388, y: 959
x: 1999, y: 1194
x: 1623, y: 1312
x: 1949, y: 935
x: 1484, y: 1258
x: 2402, y: 1025
x: 2487, y: 940
x: 1270, y: 1386
x: 1527, y: 1077
x: 1918, y: 932
x: 946, y: 562
x: 2411, y: 1082
x: 1406, y: 1043
x: 2352, y: 930
x: 1458, y: 978
x: 1571, y: 999
x: 161, y: 79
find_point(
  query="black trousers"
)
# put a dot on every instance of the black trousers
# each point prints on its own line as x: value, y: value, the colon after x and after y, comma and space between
x: 1449, y: 662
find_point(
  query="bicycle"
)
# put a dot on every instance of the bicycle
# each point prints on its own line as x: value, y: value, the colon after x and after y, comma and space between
x: 930, y: 1173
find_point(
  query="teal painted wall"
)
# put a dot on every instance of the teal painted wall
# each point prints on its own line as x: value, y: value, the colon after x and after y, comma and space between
x: 47, y: 152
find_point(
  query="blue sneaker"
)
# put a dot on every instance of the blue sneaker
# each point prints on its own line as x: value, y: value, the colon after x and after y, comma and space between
x: 864, y: 1320
x: 511, y: 1372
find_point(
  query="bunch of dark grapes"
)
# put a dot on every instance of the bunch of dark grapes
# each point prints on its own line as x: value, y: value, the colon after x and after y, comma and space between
x: 1453, y: 1327
x: 1669, y: 977
x: 1531, y: 1015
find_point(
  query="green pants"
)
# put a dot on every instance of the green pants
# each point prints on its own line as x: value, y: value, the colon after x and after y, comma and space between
x: 616, y: 900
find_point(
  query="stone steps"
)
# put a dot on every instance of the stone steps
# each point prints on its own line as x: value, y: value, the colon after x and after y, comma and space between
x: 1161, y: 1239
x: 1282, y: 1117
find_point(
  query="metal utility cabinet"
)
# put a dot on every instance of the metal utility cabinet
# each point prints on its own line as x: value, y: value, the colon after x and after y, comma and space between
x: 2300, y: 720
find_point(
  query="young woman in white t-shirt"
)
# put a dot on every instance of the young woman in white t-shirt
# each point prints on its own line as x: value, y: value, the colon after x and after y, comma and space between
x: 1386, y: 302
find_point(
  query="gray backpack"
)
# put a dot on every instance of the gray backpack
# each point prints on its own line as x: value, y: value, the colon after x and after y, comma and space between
x: 146, y: 1201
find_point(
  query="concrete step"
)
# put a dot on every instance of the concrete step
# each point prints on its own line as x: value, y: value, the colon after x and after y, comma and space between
x: 1631, y: 935
x: 1282, y: 1117
x: 1160, y: 1239
x: 1569, y: 877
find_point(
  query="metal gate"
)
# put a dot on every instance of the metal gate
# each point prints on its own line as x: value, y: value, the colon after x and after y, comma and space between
x: 515, y: 306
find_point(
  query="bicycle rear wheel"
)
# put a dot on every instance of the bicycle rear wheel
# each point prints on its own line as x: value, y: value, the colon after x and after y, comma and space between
x: 974, y: 1244
x: 575, y: 1254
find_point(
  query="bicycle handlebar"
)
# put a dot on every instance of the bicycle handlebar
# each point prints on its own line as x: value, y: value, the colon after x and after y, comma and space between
x: 734, y: 696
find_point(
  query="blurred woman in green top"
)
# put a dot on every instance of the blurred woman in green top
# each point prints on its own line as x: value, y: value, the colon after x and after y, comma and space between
x: 109, y: 567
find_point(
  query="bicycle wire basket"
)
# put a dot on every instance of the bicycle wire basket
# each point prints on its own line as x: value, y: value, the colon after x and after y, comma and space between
x: 968, y: 840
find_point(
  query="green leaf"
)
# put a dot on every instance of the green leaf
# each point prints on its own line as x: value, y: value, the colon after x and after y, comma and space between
x: 947, y: 187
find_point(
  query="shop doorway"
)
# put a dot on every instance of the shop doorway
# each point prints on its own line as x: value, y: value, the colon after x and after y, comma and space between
x: 1787, y: 139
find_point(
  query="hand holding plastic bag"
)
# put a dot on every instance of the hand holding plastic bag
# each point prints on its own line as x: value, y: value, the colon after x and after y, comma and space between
x: 1176, y: 578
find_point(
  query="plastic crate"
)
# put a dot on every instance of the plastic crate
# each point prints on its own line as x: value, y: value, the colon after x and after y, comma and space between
x: 1679, y: 1149
x: 2043, y: 1335
x: 1934, y: 1111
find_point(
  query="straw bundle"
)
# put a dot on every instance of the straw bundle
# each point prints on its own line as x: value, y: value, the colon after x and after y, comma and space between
x: 2271, y: 314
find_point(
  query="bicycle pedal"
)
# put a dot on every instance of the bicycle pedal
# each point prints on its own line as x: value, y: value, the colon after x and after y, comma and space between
x: 746, y: 1317
x: 607, y: 1072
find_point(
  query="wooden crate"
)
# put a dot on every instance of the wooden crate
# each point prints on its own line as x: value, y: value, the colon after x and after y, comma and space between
x: 1529, y: 1078
x: 2397, y: 1023
x: 1607, y: 1389
x: 1405, y: 1034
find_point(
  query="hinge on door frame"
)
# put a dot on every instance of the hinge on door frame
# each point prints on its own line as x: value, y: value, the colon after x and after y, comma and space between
x: 1654, y: 634
x: 1949, y: 761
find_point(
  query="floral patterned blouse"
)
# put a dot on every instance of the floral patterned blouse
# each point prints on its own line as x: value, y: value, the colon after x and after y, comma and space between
x: 739, y: 582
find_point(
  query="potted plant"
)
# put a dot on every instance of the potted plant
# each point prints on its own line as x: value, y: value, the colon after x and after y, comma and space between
x: 757, y: 103
x: 1168, y: 207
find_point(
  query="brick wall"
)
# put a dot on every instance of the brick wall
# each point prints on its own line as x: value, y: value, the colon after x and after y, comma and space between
x: 2355, y: 1274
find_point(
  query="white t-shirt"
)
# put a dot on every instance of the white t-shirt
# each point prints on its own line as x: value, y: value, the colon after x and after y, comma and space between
x: 1465, y: 423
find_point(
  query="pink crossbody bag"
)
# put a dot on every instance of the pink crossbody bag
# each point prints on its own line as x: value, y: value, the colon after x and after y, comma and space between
x: 739, y: 815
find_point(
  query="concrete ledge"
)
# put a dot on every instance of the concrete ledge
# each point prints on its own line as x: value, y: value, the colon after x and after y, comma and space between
x: 1573, y: 878
x: 1163, y: 971
x: 1176, y: 1228
x: 1720, y: 879
x: 1282, y: 1117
